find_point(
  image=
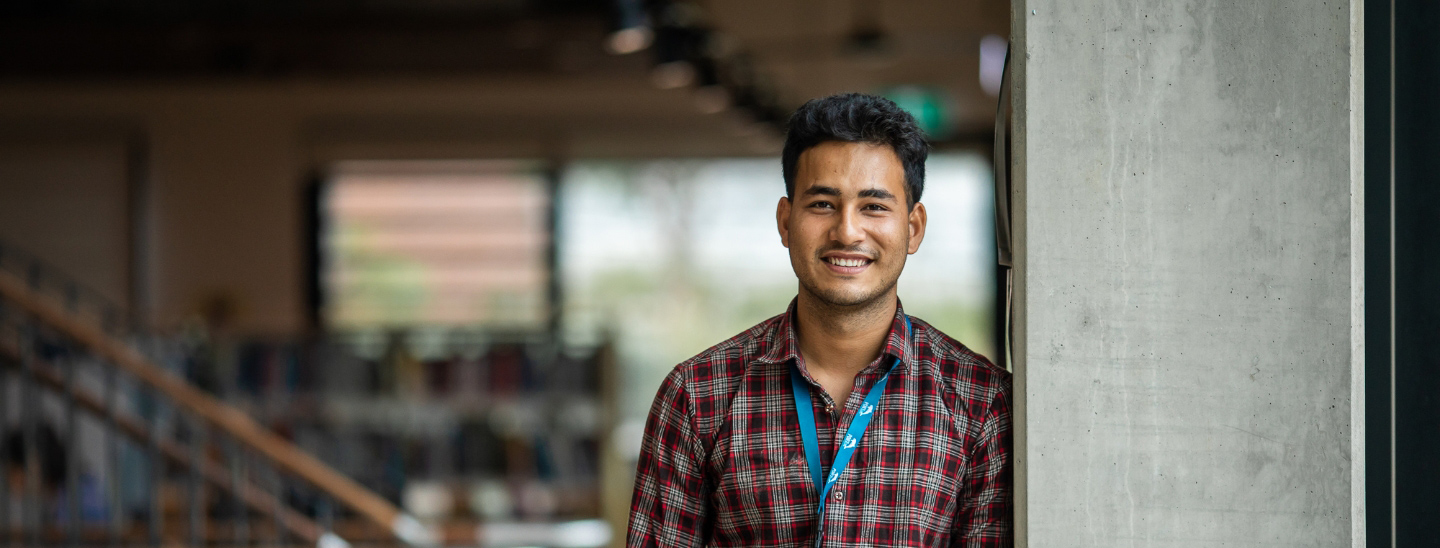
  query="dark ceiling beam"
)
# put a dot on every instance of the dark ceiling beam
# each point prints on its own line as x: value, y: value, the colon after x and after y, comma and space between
x: 521, y: 41
x: 273, y: 11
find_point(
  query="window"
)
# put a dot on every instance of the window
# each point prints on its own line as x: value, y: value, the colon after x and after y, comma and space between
x: 434, y: 244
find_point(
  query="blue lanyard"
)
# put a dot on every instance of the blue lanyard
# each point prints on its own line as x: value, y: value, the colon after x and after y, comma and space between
x: 806, y: 411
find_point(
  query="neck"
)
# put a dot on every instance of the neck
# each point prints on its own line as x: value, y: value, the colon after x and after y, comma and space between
x: 842, y: 340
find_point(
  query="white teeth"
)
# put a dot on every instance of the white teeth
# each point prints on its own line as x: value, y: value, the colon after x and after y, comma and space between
x: 846, y: 262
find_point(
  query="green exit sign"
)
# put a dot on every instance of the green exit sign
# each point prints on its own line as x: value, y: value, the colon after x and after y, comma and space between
x: 929, y: 106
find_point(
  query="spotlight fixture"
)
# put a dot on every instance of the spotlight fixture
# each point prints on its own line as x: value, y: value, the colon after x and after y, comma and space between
x: 687, y: 52
x: 631, y: 40
x: 631, y: 30
x: 675, y: 49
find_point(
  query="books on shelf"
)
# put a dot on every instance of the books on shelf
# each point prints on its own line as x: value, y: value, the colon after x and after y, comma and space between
x: 512, y: 424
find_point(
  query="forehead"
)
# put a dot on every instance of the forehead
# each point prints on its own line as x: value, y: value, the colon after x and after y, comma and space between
x: 850, y: 167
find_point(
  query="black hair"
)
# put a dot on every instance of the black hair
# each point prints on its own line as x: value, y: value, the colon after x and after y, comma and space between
x: 858, y: 118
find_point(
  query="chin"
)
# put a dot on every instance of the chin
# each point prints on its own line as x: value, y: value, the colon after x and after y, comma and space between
x: 836, y: 296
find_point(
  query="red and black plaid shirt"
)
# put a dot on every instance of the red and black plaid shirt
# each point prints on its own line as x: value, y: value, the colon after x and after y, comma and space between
x: 723, y: 464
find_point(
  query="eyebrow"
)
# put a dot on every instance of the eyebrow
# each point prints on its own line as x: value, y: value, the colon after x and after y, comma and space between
x: 822, y: 191
x: 877, y: 193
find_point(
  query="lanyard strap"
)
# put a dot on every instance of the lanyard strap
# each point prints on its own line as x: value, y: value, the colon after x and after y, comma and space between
x: 806, y: 411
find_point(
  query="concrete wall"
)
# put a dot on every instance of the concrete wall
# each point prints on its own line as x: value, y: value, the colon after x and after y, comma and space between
x: 1188, y: 276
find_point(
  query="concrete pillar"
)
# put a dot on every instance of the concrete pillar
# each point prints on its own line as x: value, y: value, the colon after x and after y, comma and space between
x: 1189, y: 283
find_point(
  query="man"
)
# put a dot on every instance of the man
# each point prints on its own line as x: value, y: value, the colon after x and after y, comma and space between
x: 842, y: 422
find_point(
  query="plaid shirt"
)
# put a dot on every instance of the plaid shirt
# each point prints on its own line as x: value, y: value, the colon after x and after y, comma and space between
x: 722, y: 463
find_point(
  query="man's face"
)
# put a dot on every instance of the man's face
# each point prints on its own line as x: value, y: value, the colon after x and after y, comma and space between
x: 848, y: 228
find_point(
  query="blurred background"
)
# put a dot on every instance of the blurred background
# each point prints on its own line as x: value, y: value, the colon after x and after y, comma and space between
x: 411, y: 271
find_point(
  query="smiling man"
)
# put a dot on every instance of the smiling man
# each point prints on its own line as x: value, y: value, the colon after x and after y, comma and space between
x: 843, y: 421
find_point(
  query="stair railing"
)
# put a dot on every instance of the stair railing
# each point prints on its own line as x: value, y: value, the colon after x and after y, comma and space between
x: 48, y: 323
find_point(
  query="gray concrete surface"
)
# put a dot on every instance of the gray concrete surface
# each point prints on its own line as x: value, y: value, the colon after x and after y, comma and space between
x: 1188, y: 273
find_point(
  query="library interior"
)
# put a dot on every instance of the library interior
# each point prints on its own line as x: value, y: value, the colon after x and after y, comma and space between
x: 410, y: 271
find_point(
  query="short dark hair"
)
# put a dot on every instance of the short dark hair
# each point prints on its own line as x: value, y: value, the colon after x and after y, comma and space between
x: 858, y: 118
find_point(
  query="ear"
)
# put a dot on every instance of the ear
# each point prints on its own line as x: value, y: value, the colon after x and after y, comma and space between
x: 917, y: 222
x: 782, y: 220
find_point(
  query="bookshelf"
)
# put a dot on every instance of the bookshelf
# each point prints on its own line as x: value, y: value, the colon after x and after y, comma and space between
x: 461, y: 428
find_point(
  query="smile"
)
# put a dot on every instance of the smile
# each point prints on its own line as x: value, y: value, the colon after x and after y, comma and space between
x: 838, y: 261
x: 847, y: 265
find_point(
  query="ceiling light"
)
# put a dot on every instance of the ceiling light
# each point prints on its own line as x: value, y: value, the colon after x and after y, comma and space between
x: 629, y: 40
x: 630, y: 29
x: 675, y: 49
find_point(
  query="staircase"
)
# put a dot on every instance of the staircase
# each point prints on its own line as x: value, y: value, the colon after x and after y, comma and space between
x: 205, y: 473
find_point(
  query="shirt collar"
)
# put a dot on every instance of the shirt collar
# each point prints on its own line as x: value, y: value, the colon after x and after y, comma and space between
x: 784, y: 346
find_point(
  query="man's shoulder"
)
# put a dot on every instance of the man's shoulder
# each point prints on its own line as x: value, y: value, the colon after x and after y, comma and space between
x: 969, y: 375
x: 711, y: 378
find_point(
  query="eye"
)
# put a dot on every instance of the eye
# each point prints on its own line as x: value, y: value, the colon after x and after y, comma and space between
x: 822, y: 205
x: 875, y: 207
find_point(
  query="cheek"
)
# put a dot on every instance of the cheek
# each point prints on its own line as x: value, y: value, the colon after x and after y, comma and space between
x: 803, y: 236
x: 892, y: 238
x: 797, y: 246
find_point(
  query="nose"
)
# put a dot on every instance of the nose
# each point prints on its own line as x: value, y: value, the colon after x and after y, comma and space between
x: 847, y: 230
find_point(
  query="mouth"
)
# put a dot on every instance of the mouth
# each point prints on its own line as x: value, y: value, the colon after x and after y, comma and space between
x: 847, y: 264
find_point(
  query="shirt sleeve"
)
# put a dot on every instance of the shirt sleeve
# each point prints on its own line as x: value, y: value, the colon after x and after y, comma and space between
x: 670, y: 505
x: 986, y: 517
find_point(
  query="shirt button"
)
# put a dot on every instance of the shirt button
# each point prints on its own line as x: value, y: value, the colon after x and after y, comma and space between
x: 839, y: 495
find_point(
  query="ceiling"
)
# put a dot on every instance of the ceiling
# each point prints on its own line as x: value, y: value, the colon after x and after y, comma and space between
x: 796, y: 49
x: 932, y: 43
